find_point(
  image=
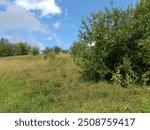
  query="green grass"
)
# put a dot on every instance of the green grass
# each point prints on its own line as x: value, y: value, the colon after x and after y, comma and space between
x: 36, y: 84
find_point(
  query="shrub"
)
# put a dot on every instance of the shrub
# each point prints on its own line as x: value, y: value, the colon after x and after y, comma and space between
x: 23, y: 48
x: 35, y: 51
x: 9, y: 49
x: 5, y: 48
x: 76, y: 51
x: 47, y: 50
x: 121, y: 50
x: 57, y: 49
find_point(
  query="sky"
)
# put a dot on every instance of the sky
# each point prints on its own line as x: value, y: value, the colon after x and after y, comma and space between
x: 48, y: 23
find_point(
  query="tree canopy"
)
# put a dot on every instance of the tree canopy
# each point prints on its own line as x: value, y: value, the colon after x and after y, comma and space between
x: 121, y: 50
x: 10, y: 49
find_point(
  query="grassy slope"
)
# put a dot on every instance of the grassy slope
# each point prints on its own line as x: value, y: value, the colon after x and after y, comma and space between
x: 32, y: 84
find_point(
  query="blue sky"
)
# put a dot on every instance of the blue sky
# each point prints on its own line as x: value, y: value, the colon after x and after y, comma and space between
x: 48, y: 23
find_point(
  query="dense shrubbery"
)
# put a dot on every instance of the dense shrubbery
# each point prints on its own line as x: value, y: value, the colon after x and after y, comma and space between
x: 121, y: 50
x: 47, y: 50
x: 35, y: 51
x: 9, y: 49
x: 54, y: 50
x: 77, y: 51
x: 57, y: 49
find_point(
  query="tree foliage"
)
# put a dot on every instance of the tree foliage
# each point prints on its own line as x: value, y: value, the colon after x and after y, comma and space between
x: 121, y: 50
x: 76, y: 51
x: 47, y: 50
x: 54, y: 50
x: 10, y: 49
x: 35, y: 51
x: 57, y: 49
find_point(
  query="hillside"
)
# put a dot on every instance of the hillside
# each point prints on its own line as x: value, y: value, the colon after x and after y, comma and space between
x: 36, y: 84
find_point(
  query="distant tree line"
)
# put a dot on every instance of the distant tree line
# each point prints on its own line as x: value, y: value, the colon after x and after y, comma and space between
x: 114, y: 45
x: 21, y: 48
x: 54, y: 50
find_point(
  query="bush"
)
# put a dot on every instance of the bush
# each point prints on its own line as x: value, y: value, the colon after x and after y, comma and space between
x: 47, y: 50
x: 23, y: 48
x: 54, y: 50
x: 57, y: 49
x: 35, y: 51
x: 121, y: 49
x: 10, y: 49
x: 5, y: 48
x: 76, y: 51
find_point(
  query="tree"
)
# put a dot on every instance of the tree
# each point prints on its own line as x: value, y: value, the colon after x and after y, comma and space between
x: 35, y: 50
x: 121, y: 44
x: 47, y: 50
x: 57, y: 49
x: 5, y: 48
x: 76, y: 51
x: 9, y: 49
x: 23, y: 48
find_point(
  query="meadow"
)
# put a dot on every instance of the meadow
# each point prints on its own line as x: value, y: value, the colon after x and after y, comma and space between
x: 54, y: 84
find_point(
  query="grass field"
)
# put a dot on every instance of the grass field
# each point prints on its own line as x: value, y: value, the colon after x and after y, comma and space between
x: 35, y: 84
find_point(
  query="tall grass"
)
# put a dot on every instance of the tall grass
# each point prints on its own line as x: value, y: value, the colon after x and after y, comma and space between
x: 36, y: 84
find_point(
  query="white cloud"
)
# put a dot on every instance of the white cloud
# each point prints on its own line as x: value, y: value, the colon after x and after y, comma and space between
x: 46, y: 7
x: 2, y: 2
x: 17, y: 37
x: 20, y: 24
x: 17, y: 17
x: 57, y: 25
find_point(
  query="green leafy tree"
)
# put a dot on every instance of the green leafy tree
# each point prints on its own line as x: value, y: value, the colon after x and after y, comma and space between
x: 76, y: 51
x: 23, y: 48
x: 121, y: 45
x: 9, y: 49
x: 5, y: 48
x: 57, y: 49
x: 35, y: 50
x: 47, y: 50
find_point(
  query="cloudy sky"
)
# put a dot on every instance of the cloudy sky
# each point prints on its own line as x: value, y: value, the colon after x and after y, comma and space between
x: 48, y: 23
